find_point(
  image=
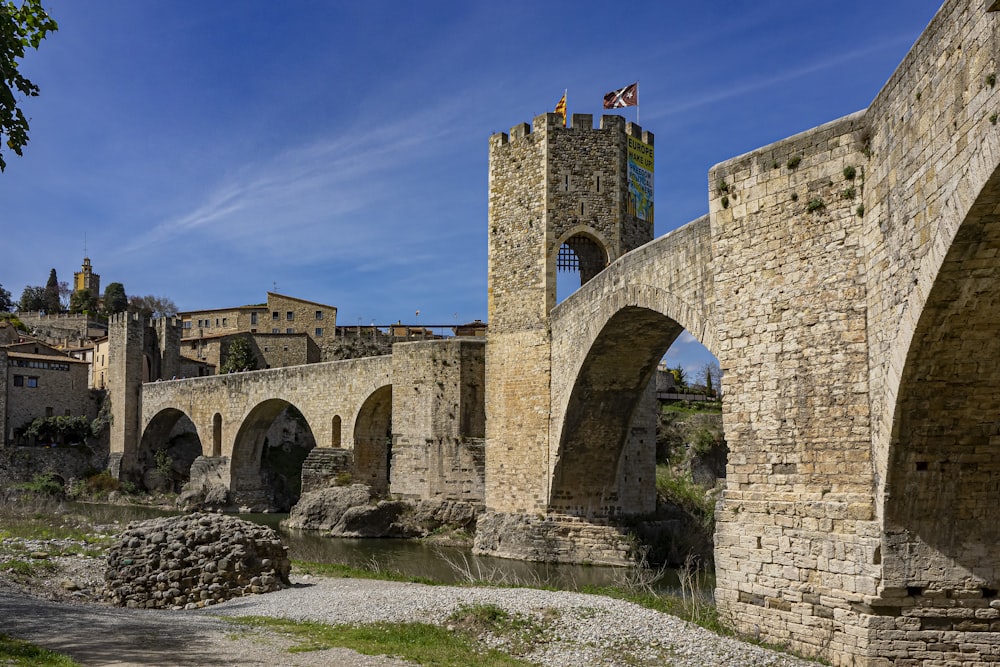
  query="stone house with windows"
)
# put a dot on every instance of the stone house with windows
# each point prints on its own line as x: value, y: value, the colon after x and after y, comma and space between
x: 273, y: 350
x: 40, y: 381
x: 280, y: 315
x: 285, y: 331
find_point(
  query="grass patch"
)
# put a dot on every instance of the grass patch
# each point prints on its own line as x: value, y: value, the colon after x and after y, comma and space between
x: 692, y: 407
x: 26, y: 569
x: 19, y: 653
x: 422, y: 643
x: 521, y: 631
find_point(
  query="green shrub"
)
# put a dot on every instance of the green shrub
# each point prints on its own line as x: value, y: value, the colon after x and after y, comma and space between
x: 46, y: 484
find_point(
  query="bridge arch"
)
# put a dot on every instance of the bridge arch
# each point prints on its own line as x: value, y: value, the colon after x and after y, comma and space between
x: 373, y: 439
x: 604, y: 358
x: 261, y: 476
x: 607, y: 393
x: 941, y: 516
x: 169, y: 445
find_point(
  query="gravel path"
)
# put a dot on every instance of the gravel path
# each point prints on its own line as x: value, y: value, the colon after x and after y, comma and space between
x: 579, y: 629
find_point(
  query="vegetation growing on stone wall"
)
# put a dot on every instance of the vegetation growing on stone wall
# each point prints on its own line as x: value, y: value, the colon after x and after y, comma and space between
x: 850, y: 172
x: 104, y: 417
x: 45, y: 484
x: 691, y: 459
x: 815, y: 205
x: 793, y: 161
x: 991, y: 79
x: 14, y: 322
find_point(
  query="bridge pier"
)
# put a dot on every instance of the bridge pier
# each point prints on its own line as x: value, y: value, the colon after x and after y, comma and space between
x: 554, y: 538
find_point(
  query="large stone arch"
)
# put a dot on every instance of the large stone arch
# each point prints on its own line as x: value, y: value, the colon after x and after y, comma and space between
x: 941, y: 515
x: 168, y: 446
x: 607, y: 340
x: 589, y: 471
x: 373, y: 438
x: 249, y: 485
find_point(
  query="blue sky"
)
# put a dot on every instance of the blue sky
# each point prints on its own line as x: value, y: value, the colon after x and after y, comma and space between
x: 209, y: 151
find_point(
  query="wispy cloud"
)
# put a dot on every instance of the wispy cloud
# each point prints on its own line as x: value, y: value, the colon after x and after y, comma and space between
x: 738, y: 90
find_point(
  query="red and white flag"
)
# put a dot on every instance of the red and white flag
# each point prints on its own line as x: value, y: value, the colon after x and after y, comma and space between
x: 626, y: 97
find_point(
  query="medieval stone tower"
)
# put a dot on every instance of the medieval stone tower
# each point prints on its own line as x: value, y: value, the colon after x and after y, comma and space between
x: 559, y: 197
x: 139, y: 350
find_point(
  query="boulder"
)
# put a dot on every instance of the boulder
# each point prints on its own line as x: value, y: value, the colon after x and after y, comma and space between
x: 379, y: 520
x: 324, y: 508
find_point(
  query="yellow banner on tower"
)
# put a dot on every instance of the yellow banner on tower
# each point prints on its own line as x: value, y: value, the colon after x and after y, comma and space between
x: 640, y: 179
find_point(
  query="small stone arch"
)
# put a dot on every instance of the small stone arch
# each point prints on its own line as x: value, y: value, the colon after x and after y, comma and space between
x: 169, y: 445
x: 266, y: 468
x: 373, y: 440
x: 217, y: 435
x: 581, y: 251
x: 336, y: 432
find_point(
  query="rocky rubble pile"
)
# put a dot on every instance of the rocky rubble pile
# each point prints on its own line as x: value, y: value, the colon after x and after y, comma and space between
x: 192, y: 561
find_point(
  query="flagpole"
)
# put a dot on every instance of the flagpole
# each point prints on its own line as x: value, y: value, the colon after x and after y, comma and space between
x: 637, y: 102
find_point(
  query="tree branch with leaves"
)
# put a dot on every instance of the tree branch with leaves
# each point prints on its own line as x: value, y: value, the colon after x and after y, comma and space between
x: 21, y: 26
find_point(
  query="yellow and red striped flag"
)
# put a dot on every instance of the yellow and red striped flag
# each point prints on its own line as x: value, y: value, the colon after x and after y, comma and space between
x: 561, y: 108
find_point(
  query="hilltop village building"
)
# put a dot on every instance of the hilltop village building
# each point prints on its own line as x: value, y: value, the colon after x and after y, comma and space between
x: 285, y: 331
x: 38, y: 381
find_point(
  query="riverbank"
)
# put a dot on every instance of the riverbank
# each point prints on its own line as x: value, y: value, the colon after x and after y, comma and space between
x: 54, y: 604
x: 566, y: 629
x: 52, y: 575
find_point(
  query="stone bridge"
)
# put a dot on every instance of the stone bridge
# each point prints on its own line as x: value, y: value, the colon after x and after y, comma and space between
x: 412, y: 421
x: 232, y: 414
x: 848, y: 280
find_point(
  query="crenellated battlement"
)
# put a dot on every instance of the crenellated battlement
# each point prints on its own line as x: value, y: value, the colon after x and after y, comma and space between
x: 546, y: 123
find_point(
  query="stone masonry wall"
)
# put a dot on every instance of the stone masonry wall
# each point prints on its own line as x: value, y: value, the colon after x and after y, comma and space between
x: 517, y: 348
x: 438, y: 420
x: 795, y: 533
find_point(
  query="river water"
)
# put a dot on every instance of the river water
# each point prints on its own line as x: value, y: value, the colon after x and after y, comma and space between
x: 410, y: 557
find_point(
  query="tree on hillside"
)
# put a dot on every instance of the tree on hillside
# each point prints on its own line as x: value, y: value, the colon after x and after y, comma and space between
x: 6, y: 303
x: 52, y: 302
x: 711, y: 378
x: 240, y: 356
x: 82, y: 302
x: 152, y: 306
x: 115, y: 300
x: 32, y: 299
x: 64, y: 295
x: 20, y: 27
x: 680, y: 379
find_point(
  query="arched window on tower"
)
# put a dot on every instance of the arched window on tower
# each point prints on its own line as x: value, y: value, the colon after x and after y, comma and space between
x: 580, y: 259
